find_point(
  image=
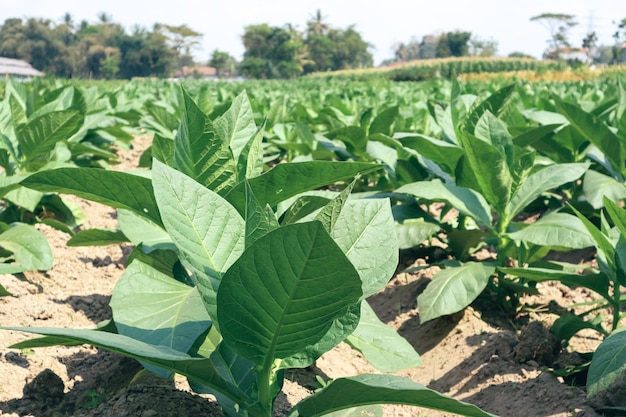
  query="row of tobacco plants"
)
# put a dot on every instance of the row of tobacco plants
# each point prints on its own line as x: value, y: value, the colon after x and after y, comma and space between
x: 264, y: 218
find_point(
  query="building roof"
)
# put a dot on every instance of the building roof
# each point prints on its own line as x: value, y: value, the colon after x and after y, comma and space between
x: 10, y: 66
x: 199, y: 71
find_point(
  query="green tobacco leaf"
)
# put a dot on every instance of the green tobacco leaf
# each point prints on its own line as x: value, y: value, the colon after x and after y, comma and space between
x: 200, y: 370
x: 200, y: 154
x: 287, y: 180
x: 461, y: 242
x: 140, y: 230
x: 413, y: 232
x: 163, y: 149
x: 353, y: 137
x: 162, y: 260
x: 329, y: 214
x: 495, y: 103
x: 18, y: 114
x: 556, y: 229
x: 208, y: 231
x: 260, y: 220
x: 490, y: 170
x: 154, y: 308
x: 453, y: 289
x: 3, y: 291
x: 467, y: 201
x: 617, y: 213
x: 284, y: 293
x: 39, y: 137
x: 535, y: 134
x: 24, y: 197
x: 112, y: 188
x: 97, y: 237
x: 597, y: 186
x: 344, y: 393
x: 444, y: 154
x: 566, y: 326
x: 29, y: 246
x: 602, y: 242
x: 338, y: 332
x: 608, y: 363
x: 381, y: 345
x: 546, y: 179
x: 302, y: 207
x: 365, y: 233
x: 596, y: 282
x: 383, y: 121
x: 250, y: 161
x: 492, y: 130
x: 236, y: 126
x: 595, y: 131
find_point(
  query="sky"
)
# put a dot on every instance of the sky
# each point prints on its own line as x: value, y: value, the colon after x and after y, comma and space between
x: 381, y: 23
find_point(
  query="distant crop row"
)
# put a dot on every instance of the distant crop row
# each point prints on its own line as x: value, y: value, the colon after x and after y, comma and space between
x: 446, y: 68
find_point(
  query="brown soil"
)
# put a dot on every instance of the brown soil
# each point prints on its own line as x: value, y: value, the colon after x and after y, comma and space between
x: 474, y: 356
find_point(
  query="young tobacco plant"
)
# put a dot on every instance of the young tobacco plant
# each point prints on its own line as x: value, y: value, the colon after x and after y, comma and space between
x: 256, y: 295
x: 489, y: 179
x: 608, y: 362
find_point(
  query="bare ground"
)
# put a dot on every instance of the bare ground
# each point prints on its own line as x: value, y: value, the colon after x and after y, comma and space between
x: 476, y: 356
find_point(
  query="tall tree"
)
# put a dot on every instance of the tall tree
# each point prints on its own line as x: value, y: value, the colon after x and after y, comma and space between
x: 558, y: 25
x: 457, y: 42
x: 182, y: 39
x: 223, y: 63
x: 329, y: 48
x: 270, y: 52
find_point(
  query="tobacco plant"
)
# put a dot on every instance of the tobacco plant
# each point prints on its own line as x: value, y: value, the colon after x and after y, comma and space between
x: 229, y: 294
x: 489, y: 179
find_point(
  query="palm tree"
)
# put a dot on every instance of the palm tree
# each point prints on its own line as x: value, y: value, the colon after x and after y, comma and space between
x: 316, y: 26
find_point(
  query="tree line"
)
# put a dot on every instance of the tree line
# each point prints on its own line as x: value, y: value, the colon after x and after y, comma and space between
x: 97, y: 50
x: 106, y: 50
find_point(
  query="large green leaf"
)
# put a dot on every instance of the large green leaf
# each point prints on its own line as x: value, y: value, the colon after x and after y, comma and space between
x: 24, y: 197
x: 284, y: 293
x: 453, y: 289
x: 154, y: 308
x: 608, y: 363
x: 444, y: 154
x: 236, y: 126
x: 595, y: 131
x: 208, y: 231
x: 383, y: 121
x: 495, y: 103
x: 260, y: 220
x: 596, y: 186
x: 113, y: 188
x: 200, y: 370
x: 381, y: 345
x: 543, y: 180
x: 493, y: 130
x: 200, y: 154
x: 29, y: 246
x: 287, y: 180
x: 250, y: 161
x: 556, y: 229
x: 40, y: 135
x: 344, y: 393
x: 140, y: 230
x: 464, y: 200
x: 597, y: 282
x: 365, y: 232
x: 337, y: 333
x: 97, y: 237
x: 490, y: 169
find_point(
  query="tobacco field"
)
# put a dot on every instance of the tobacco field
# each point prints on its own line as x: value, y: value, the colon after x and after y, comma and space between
x: 318, y: 247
